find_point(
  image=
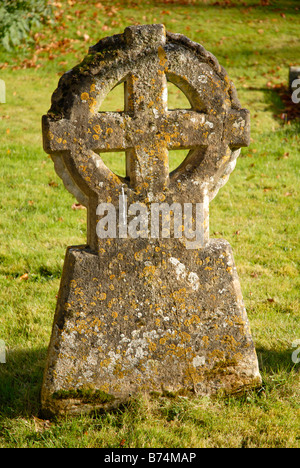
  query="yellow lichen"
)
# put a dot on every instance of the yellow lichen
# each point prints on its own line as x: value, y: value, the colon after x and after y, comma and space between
x: 84, y: 96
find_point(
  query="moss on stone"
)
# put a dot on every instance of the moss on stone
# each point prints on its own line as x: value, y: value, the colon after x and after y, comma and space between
x: 85, y: 395
x: 223, y: 367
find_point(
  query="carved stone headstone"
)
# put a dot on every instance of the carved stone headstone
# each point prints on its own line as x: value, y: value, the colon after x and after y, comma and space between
x: 294, y: 74
x: 150, y: 303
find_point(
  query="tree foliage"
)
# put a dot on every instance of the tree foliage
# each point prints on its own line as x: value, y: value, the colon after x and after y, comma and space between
x: 19, y: 17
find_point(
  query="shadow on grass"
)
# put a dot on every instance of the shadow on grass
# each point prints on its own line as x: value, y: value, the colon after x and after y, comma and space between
x: 20, y: 382
x: 275, y: 362
x: 279, y: 99
x: 21, y: 378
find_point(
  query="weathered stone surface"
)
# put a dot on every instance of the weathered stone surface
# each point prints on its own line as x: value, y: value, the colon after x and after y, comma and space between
x: 214, y: 129
x: 148, y: 321
x: 146, y: 312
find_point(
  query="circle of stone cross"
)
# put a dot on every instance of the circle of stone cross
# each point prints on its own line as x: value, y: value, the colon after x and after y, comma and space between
x: 145, y: 58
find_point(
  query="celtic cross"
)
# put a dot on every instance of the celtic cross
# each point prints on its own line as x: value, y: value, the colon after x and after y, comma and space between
x: 146, y: 313
x: 145, y: 58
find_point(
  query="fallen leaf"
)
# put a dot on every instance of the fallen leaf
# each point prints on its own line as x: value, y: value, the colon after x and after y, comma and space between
x: 77, y: 206
x: 24, y: 277
x: 288, y: 194
x: 270, y: 299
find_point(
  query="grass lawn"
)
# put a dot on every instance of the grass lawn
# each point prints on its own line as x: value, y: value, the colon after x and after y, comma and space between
x: 257, y: 212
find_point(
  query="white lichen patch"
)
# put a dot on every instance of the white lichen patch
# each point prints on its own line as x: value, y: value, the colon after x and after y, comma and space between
x: 239, y: 123
x: 182, y: 273
x: 198, y: 361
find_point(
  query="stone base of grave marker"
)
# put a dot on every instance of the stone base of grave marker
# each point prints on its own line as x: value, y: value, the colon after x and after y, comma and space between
x: 180, y: 327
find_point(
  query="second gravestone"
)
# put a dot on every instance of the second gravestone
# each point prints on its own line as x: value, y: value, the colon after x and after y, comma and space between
x: 150, y: 303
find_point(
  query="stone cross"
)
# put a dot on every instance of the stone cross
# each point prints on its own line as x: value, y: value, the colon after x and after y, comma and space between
x: 142, y: 307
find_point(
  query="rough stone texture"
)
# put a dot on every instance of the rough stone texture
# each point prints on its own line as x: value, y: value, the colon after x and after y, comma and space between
x: 214, y: 129
x: 146, y: 314
x: 148, y: 322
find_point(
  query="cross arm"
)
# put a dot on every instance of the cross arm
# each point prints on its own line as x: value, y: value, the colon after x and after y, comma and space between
x: 102, y: 132
x: 56, y: 134
x: 189, y: 129
x: 237, y: 128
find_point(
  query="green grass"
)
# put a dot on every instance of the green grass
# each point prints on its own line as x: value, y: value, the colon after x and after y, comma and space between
x: 257, y: 212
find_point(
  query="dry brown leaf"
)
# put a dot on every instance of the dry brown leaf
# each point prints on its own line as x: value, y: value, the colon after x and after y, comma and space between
x: 77, y: 206
x: 24, y: 277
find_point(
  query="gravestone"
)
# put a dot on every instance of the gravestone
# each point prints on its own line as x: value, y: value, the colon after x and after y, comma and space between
x: 294, y: 74
x: 2, y: 352
x: 150, y: 304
